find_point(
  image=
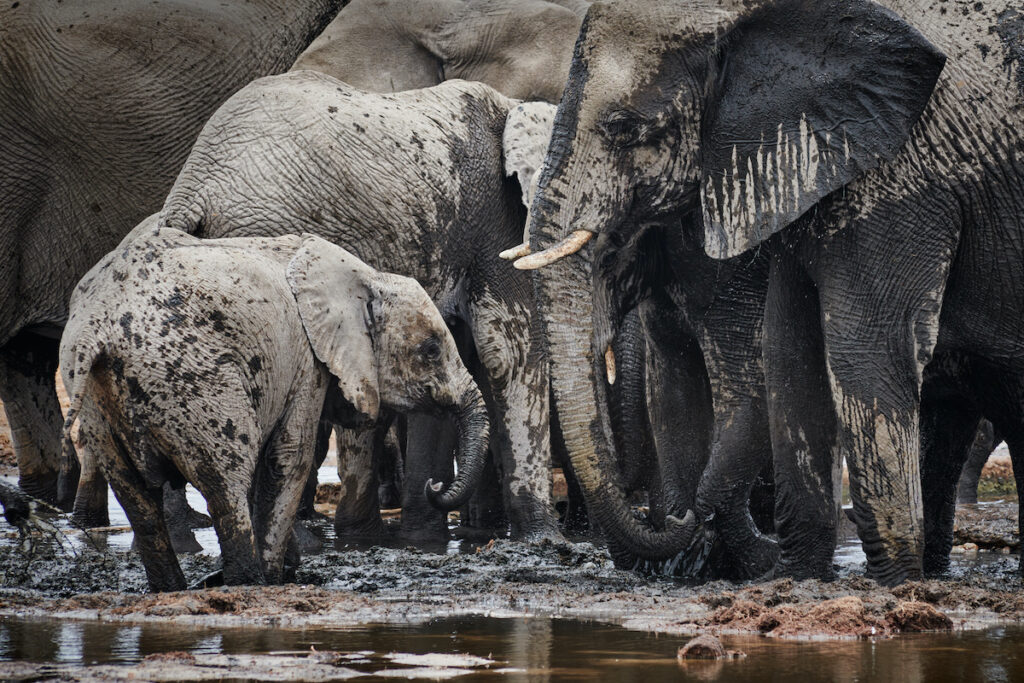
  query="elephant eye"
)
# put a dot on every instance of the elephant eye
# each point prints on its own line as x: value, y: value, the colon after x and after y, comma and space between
x: 431, y: 349
x: 628, y: 128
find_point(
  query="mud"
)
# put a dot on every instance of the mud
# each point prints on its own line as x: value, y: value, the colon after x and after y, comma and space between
x: 989, y: 526
x: 353, y: 586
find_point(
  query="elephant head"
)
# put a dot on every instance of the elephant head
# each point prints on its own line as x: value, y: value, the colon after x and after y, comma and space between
x: 735, y: 118
x: 387, y: 345
x: 522, y: 48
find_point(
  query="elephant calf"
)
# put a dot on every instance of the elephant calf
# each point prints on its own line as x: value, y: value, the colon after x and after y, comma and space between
x: 209, y: 361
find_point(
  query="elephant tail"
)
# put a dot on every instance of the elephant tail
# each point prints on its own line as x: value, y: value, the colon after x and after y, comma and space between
x: 185, y: 212
x: 81, y: 377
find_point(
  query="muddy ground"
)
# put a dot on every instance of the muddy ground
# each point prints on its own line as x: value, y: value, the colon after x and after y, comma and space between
x: 408, y: 585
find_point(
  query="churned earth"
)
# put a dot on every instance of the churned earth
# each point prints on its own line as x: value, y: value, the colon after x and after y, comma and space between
x: 351, y: 586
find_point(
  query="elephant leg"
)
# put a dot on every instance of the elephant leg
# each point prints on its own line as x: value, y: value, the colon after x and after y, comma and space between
x: 985, y: 441
x: 430, y: 448
x: 518, y: 379
x: 28, y: 366
x: 282, y: 474
x: 948, y: 427
x: 357, y: 516
x: 801, y: 425
x: 390, y: 471
x: 228, y: 499
x: 1015, y: 442
x: 485, y: 511
x: 875, y: 360
x: 577, y: 518
x: 323, y: 444
x: 143, y: 506
x: 90, y: 508
x: 176, y: 515
x: 679, y: 405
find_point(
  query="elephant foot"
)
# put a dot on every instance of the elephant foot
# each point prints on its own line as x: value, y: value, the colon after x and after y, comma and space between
x: 758, y: 559
x: 90, y: 516
x: 799, y: 570
x: 211, y: 580
x: 891, y: 574
x: 306, y: 541
x: 184, y: 542
x: 390, y: 496
x: 40, y: 487
x: 374, y: 532
x: 548, y: 535
x: 197, y: 520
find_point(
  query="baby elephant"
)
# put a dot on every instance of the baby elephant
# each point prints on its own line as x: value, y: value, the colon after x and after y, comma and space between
x: 210, y: 361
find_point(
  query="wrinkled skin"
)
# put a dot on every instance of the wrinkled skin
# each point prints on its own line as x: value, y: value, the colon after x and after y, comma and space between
x: 521, y: 48
x: 985, y: 441
x: 413, y: 183
x: 667, y: 110
x: 91, y: 143
x: 177, y: 375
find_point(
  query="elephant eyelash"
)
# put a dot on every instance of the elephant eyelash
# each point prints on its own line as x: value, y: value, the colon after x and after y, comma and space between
x: 629, y: 129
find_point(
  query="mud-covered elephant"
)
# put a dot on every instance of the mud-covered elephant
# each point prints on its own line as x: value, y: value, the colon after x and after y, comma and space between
x: 99, y: 106
x: 521, y: 48
x: 212, y: 360
x: 414, y: 183
x: 808, y: 134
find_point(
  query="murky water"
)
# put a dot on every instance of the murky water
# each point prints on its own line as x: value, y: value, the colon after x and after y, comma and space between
x: 537, y: 649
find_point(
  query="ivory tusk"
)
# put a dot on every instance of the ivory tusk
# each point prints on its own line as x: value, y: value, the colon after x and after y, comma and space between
x: 609, y: 364
x: 570, y: 245
x: 518, y: 251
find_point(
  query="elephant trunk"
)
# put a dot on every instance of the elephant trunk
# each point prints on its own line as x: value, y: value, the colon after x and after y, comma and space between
x: 564, y: 297
x: 473, y: 429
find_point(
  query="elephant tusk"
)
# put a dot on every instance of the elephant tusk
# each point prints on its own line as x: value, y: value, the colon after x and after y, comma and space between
x: 609, y: 364
x: 516, y: 252
x: 570, y: 245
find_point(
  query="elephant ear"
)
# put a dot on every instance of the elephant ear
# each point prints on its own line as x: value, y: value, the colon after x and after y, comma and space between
x: 808, y: 94
x: 339, y: 311
x: 525, y: 143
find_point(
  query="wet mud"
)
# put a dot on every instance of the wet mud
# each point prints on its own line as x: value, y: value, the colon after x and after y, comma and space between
x: 352, y: 586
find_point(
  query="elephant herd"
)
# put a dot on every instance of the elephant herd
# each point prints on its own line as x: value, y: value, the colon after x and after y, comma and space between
x: 697, y: 252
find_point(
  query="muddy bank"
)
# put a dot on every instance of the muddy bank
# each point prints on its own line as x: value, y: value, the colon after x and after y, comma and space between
x: 408, y: 585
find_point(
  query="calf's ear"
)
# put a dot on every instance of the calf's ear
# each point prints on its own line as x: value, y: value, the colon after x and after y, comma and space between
x: 805, y: 95
x: 339, y: 310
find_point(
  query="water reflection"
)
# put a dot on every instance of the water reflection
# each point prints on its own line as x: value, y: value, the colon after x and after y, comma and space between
x: 541, y: 649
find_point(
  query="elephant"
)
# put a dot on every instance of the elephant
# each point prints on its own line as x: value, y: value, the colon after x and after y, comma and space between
x: 212, y: 361
x: 414, y: 183
x: 839, y: 143
x: 985, y: 441
x: 521, y: 48
x: 99, y: 107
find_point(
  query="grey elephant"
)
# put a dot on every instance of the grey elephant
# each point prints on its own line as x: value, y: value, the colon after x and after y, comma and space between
x: 521, y: 48
x: 212, y: 361
x: 99, y: 106
x: 414, y: 183
x: 808, y: 133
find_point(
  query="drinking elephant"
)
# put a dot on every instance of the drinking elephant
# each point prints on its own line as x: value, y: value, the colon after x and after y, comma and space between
x: 99, y: 106
x: 211, y: 361
x: 415, y: 183
x: 806, y: 133
x: 521, y: 48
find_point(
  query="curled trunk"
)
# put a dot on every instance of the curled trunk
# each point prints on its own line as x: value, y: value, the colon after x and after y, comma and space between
x: 565, y: 299
x: 473, y: 428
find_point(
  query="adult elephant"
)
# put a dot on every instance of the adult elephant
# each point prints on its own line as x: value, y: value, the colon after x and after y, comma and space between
x: 521, y: 48
x: 99, y: 107
x: 897, y: 217
x: 414, y: 183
